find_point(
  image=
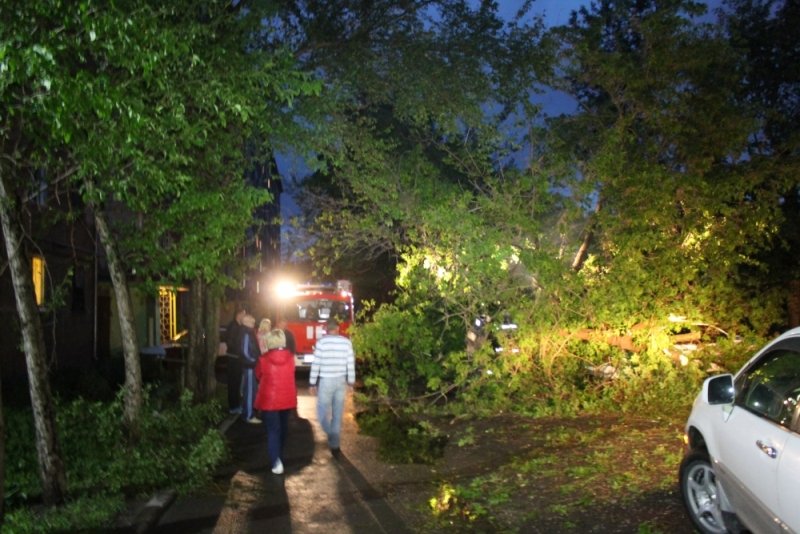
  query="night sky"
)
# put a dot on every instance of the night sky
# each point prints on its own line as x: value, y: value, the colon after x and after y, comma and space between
x: 555, y: 12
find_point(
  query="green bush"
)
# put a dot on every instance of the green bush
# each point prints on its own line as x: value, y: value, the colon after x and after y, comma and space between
x: 415, y: 350
x: 401, y: 439
x: 178, y: 447
x: 399, y: 353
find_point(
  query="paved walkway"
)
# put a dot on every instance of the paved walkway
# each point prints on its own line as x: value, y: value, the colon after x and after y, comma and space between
x: 317, y: 493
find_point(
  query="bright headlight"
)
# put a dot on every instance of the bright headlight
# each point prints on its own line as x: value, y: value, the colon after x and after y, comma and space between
x: 284, y: 289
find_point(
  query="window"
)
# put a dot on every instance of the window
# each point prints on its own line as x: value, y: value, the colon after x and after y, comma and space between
x: 38, y: 267
x: 317, y: 310
x: 771, y: 388
x: 167, y: 316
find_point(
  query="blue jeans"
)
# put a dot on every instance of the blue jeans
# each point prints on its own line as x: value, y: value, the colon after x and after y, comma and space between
x: 330, y: 405
x: 249, y: 388
x: 277, y: 424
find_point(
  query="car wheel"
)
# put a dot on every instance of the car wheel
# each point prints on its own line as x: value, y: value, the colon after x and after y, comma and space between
x: 699, y: 490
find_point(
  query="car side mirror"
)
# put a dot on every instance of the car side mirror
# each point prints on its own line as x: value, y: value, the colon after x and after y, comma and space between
x: 718, y: 389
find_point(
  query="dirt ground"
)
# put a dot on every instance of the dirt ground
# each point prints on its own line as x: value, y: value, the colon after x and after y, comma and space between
x: 509, y: 473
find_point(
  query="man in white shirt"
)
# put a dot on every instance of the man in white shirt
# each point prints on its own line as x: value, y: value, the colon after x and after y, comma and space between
x: 334, y: 366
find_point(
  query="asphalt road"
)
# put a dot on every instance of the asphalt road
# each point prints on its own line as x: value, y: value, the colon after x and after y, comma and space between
x: 317, y: 493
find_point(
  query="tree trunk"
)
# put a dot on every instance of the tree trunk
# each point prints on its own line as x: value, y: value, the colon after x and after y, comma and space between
x: 194, y: 358
x: 583, y: 250
x: 133, y: 371
x: 211, y: 307
x: 2, y: 459
x: 51, y: 465
x: 203, y: 341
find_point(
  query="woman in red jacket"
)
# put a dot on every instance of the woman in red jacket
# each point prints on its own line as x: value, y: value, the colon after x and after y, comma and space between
x: 277, y: 394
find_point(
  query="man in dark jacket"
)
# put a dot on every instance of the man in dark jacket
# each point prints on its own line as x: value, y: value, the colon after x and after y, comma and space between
x: 233, y: 339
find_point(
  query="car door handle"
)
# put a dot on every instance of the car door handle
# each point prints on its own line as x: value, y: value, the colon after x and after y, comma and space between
x: 772, y: 452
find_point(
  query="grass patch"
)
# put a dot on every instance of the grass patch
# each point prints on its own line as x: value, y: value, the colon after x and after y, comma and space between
x: 564, y: 469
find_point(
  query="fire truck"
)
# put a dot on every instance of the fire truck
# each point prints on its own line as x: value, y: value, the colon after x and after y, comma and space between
x: 308, y: 307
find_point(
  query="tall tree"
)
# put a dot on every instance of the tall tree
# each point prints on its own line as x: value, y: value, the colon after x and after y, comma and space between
x: 236, y: 99
x: 656, y: 146
x: 423, y: 89
x: 51, y: 467
x: 133, y: 398
x: 768, y: 34
x: 25, y: 68
x: 146, y: 107
x: 2, y: 453
x: 204, y: 343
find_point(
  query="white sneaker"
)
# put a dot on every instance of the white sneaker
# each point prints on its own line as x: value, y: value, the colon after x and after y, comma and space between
x: 254, y: 420
x: 278, y: 467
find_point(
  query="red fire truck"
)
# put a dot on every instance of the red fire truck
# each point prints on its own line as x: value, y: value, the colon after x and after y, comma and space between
x: 307, y: 307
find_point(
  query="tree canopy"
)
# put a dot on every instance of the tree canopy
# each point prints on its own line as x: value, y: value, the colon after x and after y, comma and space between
x: 664, y: 197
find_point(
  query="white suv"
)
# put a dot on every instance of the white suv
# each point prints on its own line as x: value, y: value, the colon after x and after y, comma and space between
x: 742, y: 467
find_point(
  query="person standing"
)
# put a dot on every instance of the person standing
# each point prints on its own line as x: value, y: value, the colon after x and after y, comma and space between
x: 290, y: 343
x: 277, y: 394
x: 250, y: 355
x: 334, y: 366
x: 233, y: 369
x: 264, y: 328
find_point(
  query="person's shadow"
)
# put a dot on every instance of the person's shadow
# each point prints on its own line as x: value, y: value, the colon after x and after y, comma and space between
x: 248, y: 445
x: 245, y: 495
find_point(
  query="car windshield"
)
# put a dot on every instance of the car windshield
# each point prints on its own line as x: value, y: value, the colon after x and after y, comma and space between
x: 317, y: 309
